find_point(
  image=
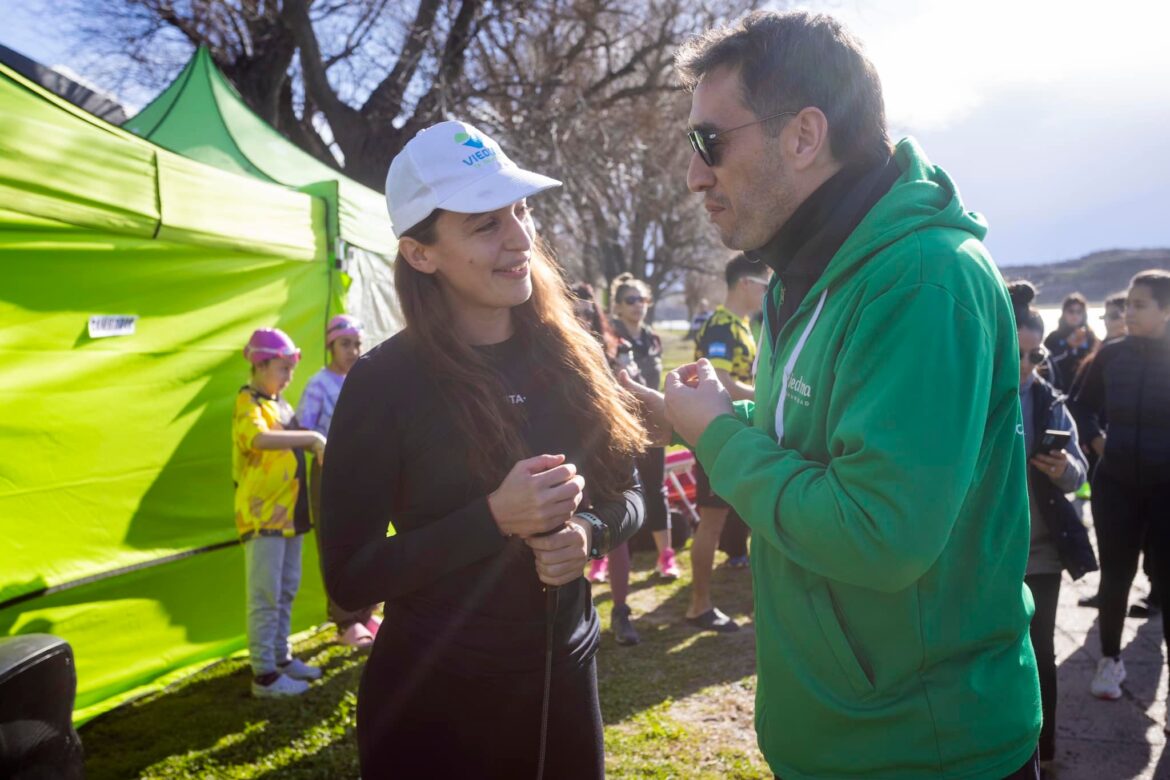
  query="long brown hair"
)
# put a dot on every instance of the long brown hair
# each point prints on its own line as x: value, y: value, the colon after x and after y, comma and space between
x: 557, y: 343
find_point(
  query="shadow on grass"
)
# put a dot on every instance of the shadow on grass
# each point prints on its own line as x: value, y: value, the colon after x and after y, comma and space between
x: 673, y: 660
x: 210, y: 726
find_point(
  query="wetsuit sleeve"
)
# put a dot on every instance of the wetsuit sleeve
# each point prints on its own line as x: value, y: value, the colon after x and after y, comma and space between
x: 623, y: 516
x: 362, y: 564
x: 880, y: 512
x: 1088, y: 406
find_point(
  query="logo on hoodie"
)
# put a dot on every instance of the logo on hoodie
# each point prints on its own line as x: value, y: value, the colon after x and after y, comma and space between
x: 483, y: 153
x: 799, y: 390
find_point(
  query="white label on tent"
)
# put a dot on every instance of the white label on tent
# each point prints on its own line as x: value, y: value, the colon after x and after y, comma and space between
x: 102, y: 326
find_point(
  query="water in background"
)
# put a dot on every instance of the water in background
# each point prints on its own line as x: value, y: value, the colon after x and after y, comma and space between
x: 1051, y: 317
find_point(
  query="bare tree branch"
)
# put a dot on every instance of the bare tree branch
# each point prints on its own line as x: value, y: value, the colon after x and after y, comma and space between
x: 385, y: 102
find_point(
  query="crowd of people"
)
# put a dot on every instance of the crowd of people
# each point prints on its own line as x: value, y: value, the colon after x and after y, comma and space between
x: 900, y: 440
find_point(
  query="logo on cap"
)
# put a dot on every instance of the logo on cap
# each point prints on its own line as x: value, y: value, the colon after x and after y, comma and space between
x: 481, y: 155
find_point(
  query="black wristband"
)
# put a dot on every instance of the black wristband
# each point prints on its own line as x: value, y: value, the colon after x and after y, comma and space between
x: 599, y: 538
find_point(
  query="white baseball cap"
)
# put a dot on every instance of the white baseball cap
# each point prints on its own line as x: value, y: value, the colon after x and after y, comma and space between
x: 455, y: 167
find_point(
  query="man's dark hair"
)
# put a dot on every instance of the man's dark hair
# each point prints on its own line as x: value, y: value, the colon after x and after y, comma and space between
x: 1158, y: 281
x: 1117, y: 300
x: 790, y: 61
x: 738, y: 267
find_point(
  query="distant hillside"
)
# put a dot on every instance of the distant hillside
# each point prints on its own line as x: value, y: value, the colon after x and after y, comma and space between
x: 1095, y: 276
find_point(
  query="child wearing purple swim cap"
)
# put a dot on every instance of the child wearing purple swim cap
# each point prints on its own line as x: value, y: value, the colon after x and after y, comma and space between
x: 271, y: 509
x: 343, y: 339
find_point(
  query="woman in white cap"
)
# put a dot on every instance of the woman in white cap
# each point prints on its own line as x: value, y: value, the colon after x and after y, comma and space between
x: 491, y: 435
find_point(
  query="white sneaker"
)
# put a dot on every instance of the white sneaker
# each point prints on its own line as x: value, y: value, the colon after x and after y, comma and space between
x: 1107, y: 682
x: 299, y: 670
x: 280, y: 687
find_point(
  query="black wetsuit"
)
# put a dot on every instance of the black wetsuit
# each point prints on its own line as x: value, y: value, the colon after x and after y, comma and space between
x: 453, y: 686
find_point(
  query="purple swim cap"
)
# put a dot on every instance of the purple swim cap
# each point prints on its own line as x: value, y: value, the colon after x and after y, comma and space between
x: 269, y: 343
x: 342, y: 325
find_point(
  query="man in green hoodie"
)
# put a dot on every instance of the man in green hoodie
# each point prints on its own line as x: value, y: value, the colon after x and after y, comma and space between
x: 882, y: 466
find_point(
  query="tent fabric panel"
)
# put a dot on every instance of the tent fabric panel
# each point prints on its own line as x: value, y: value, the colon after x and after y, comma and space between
x: 260, y: 143
x: 363, y: 217
x: 117, y: 450
x: 365, y: 220
x: 186, y: 119
x: 202, y: 116
x: 371, y: 297
x: 202, y: 204
x: 71, y: 171
x: 146, y: 121
x: 134, y: 633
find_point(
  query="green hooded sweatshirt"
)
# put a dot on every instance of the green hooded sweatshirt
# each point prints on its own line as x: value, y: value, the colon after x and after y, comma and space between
x: 882, y: 471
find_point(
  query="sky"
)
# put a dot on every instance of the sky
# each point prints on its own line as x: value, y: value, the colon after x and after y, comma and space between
x: 1053, y: 118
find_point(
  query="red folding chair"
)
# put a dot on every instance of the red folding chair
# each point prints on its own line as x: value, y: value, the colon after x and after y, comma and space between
x: 680, y: 483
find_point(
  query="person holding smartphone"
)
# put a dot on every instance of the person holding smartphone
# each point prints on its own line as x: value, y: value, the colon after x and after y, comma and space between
x: 1056, y: 467
x: 491, y: 434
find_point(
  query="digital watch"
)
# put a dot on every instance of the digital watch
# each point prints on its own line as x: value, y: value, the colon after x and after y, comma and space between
x: 599, y: 538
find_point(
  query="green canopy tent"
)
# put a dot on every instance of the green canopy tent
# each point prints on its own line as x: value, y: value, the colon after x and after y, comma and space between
x: 131, y: 279
x: 200, y: 115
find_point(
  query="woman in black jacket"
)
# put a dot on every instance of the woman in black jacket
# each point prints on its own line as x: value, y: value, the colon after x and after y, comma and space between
x: 1071, y: 343
x: 1128, y: 384
x: 491, y: 435
x: 1060, y: 541
x: 630, y: 301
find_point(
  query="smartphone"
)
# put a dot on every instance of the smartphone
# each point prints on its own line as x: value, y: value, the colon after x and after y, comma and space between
x: 1052, y: 440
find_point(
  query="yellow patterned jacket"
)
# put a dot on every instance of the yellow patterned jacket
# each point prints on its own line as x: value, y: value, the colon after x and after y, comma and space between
x: 269, y: 500
x: 726, y: 341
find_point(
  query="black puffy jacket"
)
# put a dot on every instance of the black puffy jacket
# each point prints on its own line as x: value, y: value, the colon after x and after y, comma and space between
x: 1128, y: 384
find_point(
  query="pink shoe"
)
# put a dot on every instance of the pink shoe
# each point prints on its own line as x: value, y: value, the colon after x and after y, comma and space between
x: 667, y: 566
x: 373, y: 624
x: 357, y: 636
x: 599, y: 570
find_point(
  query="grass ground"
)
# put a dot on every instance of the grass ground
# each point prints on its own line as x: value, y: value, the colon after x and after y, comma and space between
x: 679, y: 705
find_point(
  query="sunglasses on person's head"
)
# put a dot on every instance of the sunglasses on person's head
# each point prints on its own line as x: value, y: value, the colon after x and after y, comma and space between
x: 1034, y: 356
x: 703, y: 141
x: 632, y: 300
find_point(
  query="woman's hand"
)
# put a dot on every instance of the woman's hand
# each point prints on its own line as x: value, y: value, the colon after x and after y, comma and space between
x: 561, y: 556
x: 1053, y: 464
x: 539, y: 495
x: 653, y: 405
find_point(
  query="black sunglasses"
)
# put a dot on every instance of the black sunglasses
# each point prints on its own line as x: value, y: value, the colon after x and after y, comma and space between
x: 703, y: 141
x: 631, y: 300
x: 1034, y: 356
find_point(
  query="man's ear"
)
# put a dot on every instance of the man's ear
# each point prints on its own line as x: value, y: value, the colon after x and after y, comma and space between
x: 418, y: 255
x: 808, y: 142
